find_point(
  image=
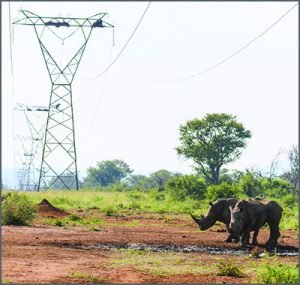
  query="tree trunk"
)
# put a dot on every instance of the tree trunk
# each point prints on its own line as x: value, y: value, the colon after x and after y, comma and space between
x: 215, y: 175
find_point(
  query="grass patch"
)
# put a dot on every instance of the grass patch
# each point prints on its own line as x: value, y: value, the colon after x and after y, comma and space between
x: 109, y: 211
x: 159, y: 263
x: 8, y: 281
x: 279, y: 274
x: 86, y: 277
x: 133, y: 223
x: 118, y: 203
x: 227, y: 268
x: 59, y: 223
x: 93, y: 223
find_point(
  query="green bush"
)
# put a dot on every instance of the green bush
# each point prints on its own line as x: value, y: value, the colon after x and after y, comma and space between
x: 18, y: 210
x: 223, y: 190
x: 290, y: 200
x: 280, y: 274
x: 251, y: 185
x: 135, y: 195
x: 275, y: 188
x: 227, y: 268
x: 184, y: 186
x: 109, y: 211
x: 74, y: 218
x: 116, y: 187
x: 59, y: 222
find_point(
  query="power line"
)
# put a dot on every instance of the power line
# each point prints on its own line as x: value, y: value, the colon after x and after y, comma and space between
x: 97, y: 106
x: 219, y: 63
x: 10, y: 40
x: 127, y: 42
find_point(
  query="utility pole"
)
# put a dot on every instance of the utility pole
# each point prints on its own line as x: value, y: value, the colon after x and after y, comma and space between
x: 59, y: 141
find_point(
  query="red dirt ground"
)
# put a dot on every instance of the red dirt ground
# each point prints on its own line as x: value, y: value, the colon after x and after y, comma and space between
x: 40, y: 253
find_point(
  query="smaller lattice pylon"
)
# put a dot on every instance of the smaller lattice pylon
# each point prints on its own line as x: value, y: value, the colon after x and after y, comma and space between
x: 29, y: 143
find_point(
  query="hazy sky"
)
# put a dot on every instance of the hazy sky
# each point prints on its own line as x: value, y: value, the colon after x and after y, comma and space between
x: 132, y: 112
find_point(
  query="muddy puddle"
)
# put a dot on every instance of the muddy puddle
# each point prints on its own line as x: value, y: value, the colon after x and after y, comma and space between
x: 280, y: 251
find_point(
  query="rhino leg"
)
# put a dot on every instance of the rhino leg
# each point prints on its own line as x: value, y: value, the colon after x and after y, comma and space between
x: 231, y: 237
x: 254, y: 239
x: 245, y: 236
x: 235, y: 238
x: 274, y: 235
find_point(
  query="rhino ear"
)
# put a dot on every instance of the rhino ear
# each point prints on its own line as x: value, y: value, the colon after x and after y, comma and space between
x: 210, y: 203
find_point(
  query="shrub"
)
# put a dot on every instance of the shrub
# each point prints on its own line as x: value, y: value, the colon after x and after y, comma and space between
x: 251, y: 185
x: 59, y: 223
x: 223, y: 190
x: 116, y: 187
x: 280, y: 274
x: 275, y: 188
x: 229, y: 269
x: 74, y: 218
x: 290, y: 200
x: 18, y: 210
x: 184, y: 186
x: 134, y: 206
x: 109, y: 211
x: 157, y: 195
x: 134, y: 195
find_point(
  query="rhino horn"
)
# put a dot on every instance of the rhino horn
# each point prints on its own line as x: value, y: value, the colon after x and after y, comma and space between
x: 197, y: 220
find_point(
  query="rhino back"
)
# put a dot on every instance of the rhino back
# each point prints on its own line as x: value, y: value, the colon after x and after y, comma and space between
x: 256, y: 213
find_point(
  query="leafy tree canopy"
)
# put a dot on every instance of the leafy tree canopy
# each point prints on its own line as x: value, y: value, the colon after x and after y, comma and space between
x: 107, y: 172
x: 211, y: 142
x: 160, y: 177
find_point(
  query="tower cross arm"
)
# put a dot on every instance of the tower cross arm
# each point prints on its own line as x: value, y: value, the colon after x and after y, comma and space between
x: 94, y: 21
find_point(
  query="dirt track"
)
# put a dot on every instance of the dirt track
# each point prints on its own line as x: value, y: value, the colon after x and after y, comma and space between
x: 51, y: 254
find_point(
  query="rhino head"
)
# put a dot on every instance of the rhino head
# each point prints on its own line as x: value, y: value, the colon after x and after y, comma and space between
x: 207, y: 221
x: 237, y: 219
x: 198, y: 220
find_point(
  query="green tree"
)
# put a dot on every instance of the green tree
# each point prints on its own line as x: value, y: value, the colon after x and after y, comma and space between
x: 160, y: 177
x: 141, y: 182
x: 211, y: 142
x: 230, y: 176
x: 107, y: 172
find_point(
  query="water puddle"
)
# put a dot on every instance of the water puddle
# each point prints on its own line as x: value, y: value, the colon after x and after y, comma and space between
x: 280, y: 251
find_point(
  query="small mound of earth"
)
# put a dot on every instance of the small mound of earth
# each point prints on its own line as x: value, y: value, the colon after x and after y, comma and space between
x: 47, y: 209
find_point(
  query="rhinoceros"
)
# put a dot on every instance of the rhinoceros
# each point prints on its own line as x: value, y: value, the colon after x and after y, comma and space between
x: 218, y: 211
x: 251, y: 215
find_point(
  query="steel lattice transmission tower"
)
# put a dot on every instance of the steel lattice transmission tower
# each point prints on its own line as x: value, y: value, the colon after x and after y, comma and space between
x: 59, y: 140
x: 28, y: 144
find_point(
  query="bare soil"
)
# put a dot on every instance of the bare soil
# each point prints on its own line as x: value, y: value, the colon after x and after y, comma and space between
x: 48, y: 254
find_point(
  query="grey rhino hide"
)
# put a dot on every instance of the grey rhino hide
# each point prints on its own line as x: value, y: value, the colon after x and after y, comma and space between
x: 218, y: 211
x: 251, y: 215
